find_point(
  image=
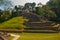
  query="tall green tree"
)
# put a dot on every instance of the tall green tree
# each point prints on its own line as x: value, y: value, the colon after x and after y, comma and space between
x: 48, y: 12
x: 45, y: 12
x: 55, y: 6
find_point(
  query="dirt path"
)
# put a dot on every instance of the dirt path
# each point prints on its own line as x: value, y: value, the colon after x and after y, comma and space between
x: 15, y: 36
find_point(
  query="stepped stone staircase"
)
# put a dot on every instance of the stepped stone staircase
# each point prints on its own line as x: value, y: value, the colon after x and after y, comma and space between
x: 37, y: 22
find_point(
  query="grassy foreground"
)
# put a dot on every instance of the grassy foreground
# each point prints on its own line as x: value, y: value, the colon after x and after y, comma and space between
x: 38, y: 36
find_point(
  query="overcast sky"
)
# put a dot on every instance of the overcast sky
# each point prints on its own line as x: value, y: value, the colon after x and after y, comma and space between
x: 22, y: 2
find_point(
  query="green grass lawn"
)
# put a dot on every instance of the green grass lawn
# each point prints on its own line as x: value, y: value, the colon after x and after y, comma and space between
x: 38, y: 36
x: 14, y: 23
x: 10, y: 38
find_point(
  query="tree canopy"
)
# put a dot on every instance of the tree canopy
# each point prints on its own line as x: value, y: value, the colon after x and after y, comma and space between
x: 55, y: 6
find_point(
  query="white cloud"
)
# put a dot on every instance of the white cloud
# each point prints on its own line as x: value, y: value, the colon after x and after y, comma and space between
x: 22, y: 2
